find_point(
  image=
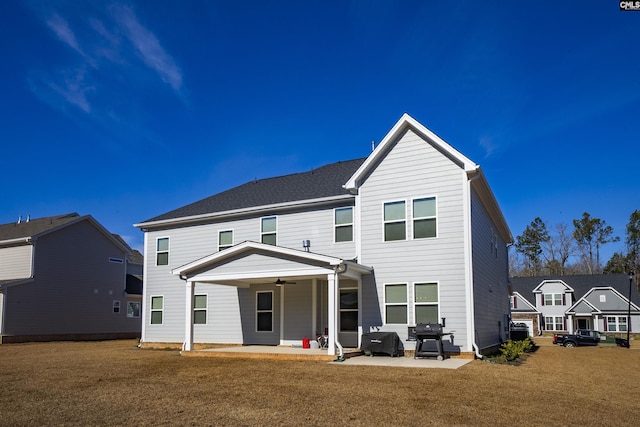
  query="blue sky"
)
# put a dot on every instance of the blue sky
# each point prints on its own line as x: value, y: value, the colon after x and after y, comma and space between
x: 126, y: 110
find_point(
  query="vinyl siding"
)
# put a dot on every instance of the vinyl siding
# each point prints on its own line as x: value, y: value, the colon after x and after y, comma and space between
x: 15, y: 262
x: 490, y: 278
x: 187, y: 244
x: 412, y: 169
x: 73, y: 289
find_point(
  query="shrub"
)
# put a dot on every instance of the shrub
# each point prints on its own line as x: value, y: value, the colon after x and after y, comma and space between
x: 512, y: 350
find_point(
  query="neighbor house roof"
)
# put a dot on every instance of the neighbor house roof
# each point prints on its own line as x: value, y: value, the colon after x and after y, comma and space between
x: 25, y: 231
x: 581, y: 284
x: 26, y: 228
x: 324, y: 182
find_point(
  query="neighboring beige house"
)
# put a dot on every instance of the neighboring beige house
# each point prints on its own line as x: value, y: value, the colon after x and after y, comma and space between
x: 66, y: 277
x: 410, y: 234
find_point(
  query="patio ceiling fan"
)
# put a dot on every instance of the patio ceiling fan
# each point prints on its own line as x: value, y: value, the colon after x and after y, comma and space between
x: 281, y: 282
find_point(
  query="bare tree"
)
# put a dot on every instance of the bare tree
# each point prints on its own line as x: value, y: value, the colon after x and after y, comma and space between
x: 558, y: 249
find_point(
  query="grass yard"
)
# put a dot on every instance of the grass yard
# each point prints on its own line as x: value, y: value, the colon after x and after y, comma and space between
x: 115, y: 383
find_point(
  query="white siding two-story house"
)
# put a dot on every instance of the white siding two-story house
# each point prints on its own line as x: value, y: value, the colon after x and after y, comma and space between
x: 410, y: 234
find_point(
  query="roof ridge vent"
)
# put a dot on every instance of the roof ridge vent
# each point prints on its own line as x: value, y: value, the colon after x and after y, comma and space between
x: 19, y: 219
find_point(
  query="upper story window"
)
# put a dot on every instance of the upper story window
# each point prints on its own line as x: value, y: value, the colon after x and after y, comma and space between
x: 162, y: 251
x: 395, y: 225
x: 424, y: 218
x: 343, y: 219
x: 553, y: 299
x: 513, y: 302
x: 225, y: 239
x: 395, y: 300
x: 268, y: 228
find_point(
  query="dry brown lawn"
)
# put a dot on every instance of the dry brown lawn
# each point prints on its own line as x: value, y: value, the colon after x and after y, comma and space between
x: 115, y: 383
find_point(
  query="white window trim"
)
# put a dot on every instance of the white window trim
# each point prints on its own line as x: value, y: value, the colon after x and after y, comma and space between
x: 151, y: 309
x: 205, y: 309
x: 405, y: 220
x: 340, y: 310
x: 413, y: 218
x: 139, y: 309
x: 553, y: 298
x: 265, y: 311
x: 555, y: 319
x: 269, y: 232
x: 222, y: 247
x: 406, y: 304
x: 159, y: 252
x: 351, y: 224
x: 617, y: 323
x: 437, y: 304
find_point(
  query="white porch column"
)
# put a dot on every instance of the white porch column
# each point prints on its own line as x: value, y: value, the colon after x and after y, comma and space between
x: 188, y: 320
x: 570, y: 323
x: 332, y: 285
x: 314, y: 308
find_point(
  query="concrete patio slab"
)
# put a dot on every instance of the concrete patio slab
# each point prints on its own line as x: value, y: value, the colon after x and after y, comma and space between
x: 404, y: 362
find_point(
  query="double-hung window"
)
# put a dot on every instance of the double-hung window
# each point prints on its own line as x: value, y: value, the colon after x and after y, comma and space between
x: 395, y: 300
x: 162, y: 251
x: 157, y: 308
x: 424, y: 218
x: 264, y: 311
x: 553, y: 299
x: 554, y: 323
x: 268, y: 227
x: 426, y: 302
x: 199, y: 309
x: 225, y: 239
x: 617, y: 323
x: 395, y: 224
x: 343, y: 219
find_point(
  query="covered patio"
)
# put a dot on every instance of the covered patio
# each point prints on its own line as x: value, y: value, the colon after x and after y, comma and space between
x: 288, y: 296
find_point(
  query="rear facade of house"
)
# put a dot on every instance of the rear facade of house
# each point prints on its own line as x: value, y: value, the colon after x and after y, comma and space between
x: 411, y: 234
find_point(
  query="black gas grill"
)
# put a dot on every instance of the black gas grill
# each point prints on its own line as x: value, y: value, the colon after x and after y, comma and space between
x: 426, y: 335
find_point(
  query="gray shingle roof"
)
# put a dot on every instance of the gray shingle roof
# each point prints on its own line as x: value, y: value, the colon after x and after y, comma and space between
x: 325, y: 181
x: 33, y: 227
x: 581, y: 284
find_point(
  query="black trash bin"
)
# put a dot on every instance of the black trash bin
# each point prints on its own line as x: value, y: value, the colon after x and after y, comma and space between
x: 519, y: 331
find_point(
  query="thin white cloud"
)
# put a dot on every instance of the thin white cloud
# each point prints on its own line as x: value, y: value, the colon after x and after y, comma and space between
x: 61, y: 28
x: 488, y: 144
x: 148, y: 47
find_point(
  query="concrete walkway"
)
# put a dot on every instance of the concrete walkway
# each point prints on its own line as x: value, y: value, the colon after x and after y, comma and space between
x: 404, y: 362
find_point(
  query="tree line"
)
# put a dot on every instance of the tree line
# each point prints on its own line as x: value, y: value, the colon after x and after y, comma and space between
x: 561, y: 250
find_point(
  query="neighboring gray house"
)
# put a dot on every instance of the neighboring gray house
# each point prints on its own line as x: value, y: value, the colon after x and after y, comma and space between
x: 410, y: 234
x: 67, y: 278
x: 566, y: 303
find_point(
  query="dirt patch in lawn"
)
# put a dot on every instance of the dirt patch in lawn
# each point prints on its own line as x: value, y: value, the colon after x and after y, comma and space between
x: 115, y: 383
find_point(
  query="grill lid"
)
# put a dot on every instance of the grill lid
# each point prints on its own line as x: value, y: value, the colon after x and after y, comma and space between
x: 429, y: 329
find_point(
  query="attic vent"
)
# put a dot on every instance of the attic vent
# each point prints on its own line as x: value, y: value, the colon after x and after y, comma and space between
x: 116, y: 260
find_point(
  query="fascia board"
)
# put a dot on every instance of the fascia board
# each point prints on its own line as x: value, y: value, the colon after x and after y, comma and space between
x: 406, y: 121
x: 523, y: 299
x: 490, y: 202
x: 16, y: 242
x: 537, y: 289
x: 244, y: 211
